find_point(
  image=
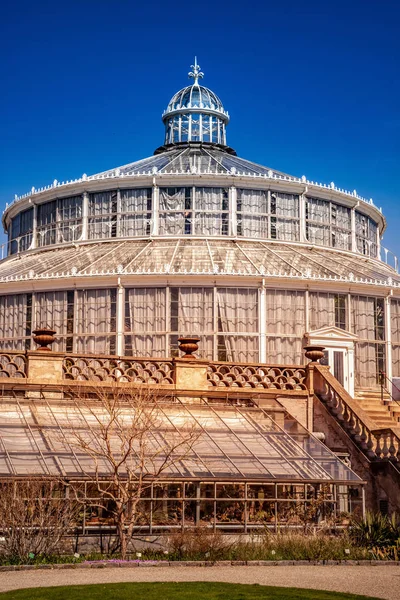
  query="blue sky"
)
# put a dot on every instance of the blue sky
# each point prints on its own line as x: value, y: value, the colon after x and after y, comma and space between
x: 312, y: 87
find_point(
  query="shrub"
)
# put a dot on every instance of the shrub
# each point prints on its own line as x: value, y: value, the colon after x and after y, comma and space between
x: 376, y: 531
x: 198, y: 544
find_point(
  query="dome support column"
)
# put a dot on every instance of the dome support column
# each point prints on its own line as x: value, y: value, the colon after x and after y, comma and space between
x: 85, y: 213
x: 120, y: 318
x: 262, y: 324
x: 307, y: 310
x: 232, y: 211
x: 34, y: 228
x: 378, y: 243
x: 302, y: 215
x: 155, y: 209
x: 353, y: 230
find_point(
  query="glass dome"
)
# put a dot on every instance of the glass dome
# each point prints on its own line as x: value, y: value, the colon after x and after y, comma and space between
x: 195, y: 96
x: 195, y: 114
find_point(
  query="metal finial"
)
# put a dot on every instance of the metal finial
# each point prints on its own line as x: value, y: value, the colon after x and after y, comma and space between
x: 196, y: 73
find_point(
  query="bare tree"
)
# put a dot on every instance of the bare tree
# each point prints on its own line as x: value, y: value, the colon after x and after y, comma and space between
x: 124, y: 439
x: 34, y: 518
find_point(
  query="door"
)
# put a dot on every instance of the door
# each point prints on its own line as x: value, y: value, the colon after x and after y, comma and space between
x: 336, y: 358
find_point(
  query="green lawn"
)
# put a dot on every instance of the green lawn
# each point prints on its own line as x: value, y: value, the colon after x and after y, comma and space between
x: 173, y: 591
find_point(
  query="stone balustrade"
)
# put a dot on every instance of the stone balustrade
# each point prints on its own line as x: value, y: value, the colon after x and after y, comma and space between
x: 376, y: 444
x: 117, y: 369
x: 13, y: 365
x: 241, y: 375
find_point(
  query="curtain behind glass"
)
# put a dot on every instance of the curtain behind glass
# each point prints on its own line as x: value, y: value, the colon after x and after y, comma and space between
x: 192, y: 314
x: 286, y: 325
x: 395, y: 326
x: 145, y: 322
x: 172, y: 223
x: 13, y: 311
x: 322, y: 310
x: 94, y: 321
x: 133, y: 202
x: 210, y: 205
x: 252, y: 213
x: 51, y: 313
x: 363, y: 312
x: 172, y: 201
x: 102, y: 214
x: 237, y: 312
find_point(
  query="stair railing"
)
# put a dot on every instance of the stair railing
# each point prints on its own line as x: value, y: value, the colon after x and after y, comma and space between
x: 376, y: 444
x: 384, y: 380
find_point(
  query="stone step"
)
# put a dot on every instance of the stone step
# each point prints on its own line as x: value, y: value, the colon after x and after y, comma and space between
x: 378, y: 407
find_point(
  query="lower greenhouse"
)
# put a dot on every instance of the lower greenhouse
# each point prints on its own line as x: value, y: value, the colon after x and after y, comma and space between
x: 245, y: 467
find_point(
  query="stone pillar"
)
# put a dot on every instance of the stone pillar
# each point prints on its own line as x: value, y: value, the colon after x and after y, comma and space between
x: 191, y: 375
x: 45, y: 368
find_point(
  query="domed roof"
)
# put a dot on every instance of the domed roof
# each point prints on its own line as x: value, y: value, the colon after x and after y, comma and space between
x: 195, y: 96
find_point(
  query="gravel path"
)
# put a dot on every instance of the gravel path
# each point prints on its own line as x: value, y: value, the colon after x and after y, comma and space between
x: 379, y: 581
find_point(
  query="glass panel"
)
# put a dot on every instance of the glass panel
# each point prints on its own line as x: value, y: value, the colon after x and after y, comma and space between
x: 338, y: 366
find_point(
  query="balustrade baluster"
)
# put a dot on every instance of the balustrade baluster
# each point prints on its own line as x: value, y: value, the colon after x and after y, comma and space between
x: 370, y: 445
x: 385, y: 448
x: 352, y: 423
x: 392, y: 448
x: 363, y: 435
x: 346, y: 416
x: 357, y: 431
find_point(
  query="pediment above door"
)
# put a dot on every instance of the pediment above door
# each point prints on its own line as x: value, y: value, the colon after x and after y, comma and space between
x: 331, y: 333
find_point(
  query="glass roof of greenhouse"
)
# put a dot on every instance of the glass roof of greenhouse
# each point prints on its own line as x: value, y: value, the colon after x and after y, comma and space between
x: 232, y: 443
x: 196, y: 257
x: 195, y: 158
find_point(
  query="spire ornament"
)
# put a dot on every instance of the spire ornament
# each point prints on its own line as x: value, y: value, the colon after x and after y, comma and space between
x: 196, y: 74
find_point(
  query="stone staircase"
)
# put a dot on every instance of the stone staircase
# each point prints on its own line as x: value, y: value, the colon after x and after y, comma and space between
x: 384, y: 413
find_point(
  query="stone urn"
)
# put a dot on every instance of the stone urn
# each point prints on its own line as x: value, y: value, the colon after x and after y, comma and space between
x: 188, y: 345
x: 43, y: 338
x: 314, y: 353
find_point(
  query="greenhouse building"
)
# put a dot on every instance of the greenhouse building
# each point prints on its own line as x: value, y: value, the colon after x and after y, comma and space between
x: 197, y: 242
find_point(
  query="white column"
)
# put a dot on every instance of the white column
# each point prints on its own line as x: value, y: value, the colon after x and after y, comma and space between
x: 378, y: 243
x: 118, y: 213
x: 120, y: 318
x: 85, y: 215
x: 349, y: 324
x: 351, y: 369
x: 58, y: 221
x: 34, y: 228
x: 302, y: 214
x: 155, y: 209
x: 270, y: 214
x: 232, y: 211
x: 33, y: 308
x: 215, y: 323
x: 168, y: 320
x: 353, y: 230
x: 388, y: 336
x: 262, y: 321
x: 307, y: 310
